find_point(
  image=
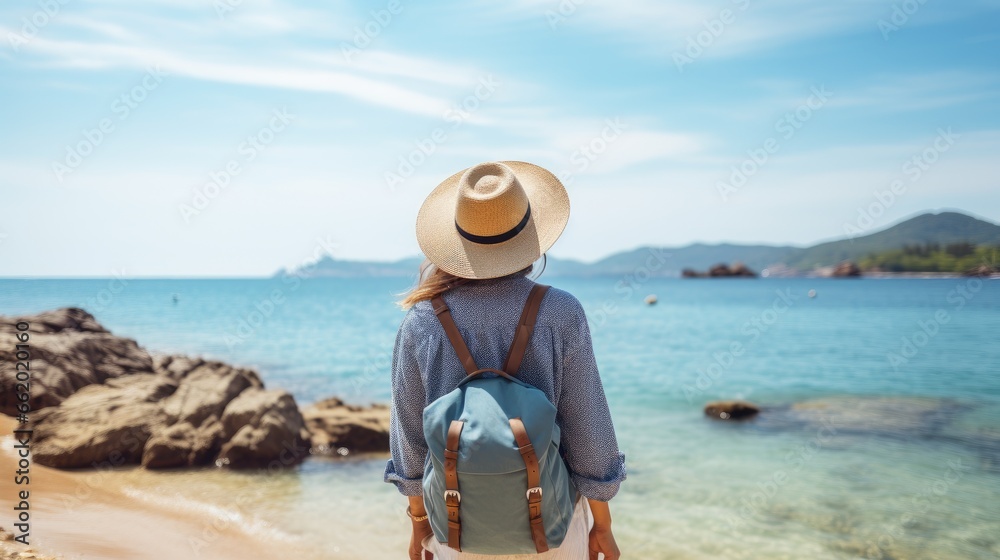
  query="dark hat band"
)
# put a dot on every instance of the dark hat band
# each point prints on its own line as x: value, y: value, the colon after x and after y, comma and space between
x: 500, y: 237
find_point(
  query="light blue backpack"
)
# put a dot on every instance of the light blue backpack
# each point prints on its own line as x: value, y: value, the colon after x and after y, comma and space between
x: 494, y: 480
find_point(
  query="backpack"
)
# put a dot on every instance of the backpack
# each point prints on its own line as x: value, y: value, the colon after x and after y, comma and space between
x: 494, y: 480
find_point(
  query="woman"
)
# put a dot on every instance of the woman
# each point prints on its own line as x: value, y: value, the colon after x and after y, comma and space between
x: 482, y: 230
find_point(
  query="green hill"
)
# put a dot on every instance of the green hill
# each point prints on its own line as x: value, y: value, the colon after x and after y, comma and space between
x: 669, y: 261
x: 954, y: 258
x: 943, y: 228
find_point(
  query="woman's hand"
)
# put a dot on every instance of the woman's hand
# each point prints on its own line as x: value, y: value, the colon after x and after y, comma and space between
x: 420, y: 530
x: 602, y: 540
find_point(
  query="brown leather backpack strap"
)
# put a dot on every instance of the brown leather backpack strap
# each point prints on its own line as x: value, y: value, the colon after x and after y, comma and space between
x: 525, y: 326
x: 534, y: 493
x: 452, y: 497
x: 461, y: 350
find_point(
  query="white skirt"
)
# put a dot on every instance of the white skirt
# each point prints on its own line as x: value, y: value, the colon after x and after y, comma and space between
x: 574, y: 546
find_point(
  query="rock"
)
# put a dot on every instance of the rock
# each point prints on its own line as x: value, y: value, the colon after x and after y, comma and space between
x: 171, y: 447
x: 62, y: 320
x: 333, y: 425
x: 101, y: 425
x: 263, y: 428
x: 207, y: 390
x: 104, y: 401
x: 206, y: 442
x: 846, y: 269
x: 159, y: 422
x: 719, y: 270
x: 738, y: 270
x: 175, y: 367
x: 171, y: 418
x: 68, y: 350
x: 731, y: 410
x: 983, y: 271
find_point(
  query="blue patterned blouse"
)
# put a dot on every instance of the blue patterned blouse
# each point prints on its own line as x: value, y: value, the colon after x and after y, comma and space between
x: 559, y: 361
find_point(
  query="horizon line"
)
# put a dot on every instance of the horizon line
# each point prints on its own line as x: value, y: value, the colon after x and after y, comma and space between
x: 283, y: 270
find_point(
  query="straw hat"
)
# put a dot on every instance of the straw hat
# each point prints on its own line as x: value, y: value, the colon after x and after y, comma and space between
x: 492, y: 219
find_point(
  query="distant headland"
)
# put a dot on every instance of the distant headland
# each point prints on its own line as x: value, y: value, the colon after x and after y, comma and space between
x: 941, y: 243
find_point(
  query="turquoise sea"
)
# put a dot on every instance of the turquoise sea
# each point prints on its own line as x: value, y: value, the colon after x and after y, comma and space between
x: 880, y: 436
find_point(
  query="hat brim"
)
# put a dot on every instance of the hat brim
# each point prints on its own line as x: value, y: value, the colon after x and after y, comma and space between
x: 445, y: 247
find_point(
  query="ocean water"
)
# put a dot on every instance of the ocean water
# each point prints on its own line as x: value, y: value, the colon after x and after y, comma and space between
x: 880, y: 435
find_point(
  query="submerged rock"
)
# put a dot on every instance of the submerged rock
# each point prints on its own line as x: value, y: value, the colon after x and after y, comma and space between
x: 899, y: 416
x: 844, y: 422
x: 731, y: 410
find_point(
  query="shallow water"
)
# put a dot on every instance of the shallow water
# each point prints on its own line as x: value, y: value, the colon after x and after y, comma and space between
x: 880, y: 436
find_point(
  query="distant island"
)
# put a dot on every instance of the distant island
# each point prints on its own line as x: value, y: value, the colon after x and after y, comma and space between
x: 946, y: 237
x: 738, y: 270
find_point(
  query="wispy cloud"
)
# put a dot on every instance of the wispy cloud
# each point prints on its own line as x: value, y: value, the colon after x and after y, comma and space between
x: 99, y: 56
x: 194, y: 40
x: 728, y: 28
x: 918, y: 92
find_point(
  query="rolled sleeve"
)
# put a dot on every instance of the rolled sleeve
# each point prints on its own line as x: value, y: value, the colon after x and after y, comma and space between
x: 407, y: 446
x: 588, y: 441
x: 406, y: 486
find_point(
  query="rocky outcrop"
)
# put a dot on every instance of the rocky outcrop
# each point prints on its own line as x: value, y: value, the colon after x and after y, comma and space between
x: 68, y: 351
x: 339, y: 428
x: 846, y: 269
x: 983, y: 271
x: 106, y: 402
x: 738, y: 270
x: 731, y: 410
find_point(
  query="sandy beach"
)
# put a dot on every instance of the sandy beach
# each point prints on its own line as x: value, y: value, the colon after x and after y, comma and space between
x: 72, y: 517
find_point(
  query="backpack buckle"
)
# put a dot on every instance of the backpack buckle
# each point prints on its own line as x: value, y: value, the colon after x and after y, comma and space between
x: 533, y: 489
x: 452, y: 494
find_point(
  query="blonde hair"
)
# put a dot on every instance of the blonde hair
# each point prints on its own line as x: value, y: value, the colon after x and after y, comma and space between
x: 432, y: 282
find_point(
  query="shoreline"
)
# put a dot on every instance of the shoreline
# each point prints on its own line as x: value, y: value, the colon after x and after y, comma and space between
x: 74, y: 517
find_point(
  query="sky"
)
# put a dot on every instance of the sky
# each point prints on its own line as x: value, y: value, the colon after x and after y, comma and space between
x: 238, y: 137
